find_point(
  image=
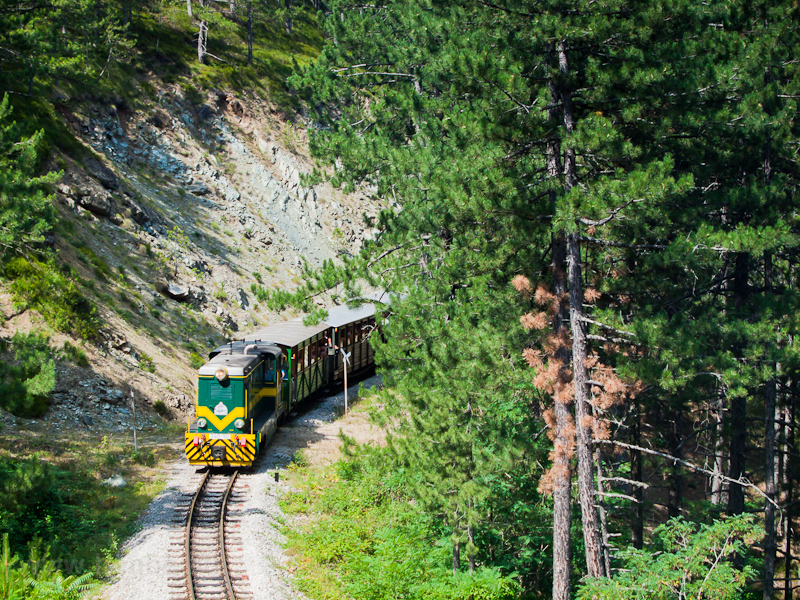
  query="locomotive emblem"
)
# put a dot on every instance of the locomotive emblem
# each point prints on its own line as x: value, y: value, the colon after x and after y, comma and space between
x: 220, y: 410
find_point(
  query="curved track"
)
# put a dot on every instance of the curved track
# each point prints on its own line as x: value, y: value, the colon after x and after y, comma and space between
x: 211, y: 551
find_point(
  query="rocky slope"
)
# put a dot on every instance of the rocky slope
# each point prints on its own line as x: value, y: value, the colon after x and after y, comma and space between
x: 182, y: 211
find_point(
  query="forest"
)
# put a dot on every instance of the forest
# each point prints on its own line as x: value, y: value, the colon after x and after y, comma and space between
x: 590, y: 365
x: 593, y: 372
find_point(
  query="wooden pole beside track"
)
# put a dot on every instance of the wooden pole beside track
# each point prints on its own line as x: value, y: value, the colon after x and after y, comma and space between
x: 133, y: 406
x: 346, y: 361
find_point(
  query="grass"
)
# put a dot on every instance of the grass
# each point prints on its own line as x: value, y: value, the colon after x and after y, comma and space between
x: 80, y: 518
x: 166, y: 47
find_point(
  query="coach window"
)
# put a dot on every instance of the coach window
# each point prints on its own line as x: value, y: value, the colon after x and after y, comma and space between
x: 312, y: 353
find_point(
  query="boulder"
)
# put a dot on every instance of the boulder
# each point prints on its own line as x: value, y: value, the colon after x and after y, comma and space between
x: 116, y: 481
x: 175, y: 291
x: 102, y: 173
x: 198, y: 189
x: 99, y: 204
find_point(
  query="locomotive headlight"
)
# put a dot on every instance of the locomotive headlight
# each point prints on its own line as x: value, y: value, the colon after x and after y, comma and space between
x: 201, y: 423
x: 239, y: 423
x: 221, y: 375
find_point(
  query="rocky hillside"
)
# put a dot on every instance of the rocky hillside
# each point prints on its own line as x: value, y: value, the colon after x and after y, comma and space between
x: 180, y: 214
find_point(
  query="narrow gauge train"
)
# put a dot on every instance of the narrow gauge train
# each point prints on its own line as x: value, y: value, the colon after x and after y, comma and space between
x: 247, y: 387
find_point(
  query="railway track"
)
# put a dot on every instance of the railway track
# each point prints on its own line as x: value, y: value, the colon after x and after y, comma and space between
x: 207, y: 559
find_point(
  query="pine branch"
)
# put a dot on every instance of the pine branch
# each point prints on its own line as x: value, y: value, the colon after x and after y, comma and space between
x: 585, y: 319
x: 675, y: 460
x: 608, y: 244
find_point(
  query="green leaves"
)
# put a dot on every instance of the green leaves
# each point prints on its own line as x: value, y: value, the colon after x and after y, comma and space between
x: 27, y: 382
x: 26, y: 211
x: 693, y: 562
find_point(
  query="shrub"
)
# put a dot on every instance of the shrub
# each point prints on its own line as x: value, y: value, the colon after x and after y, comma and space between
x: 694, y: 561
x: 146, y: 363
x: 196, y: 361
x: 259, y: 292
x: 162, y: 409
x: 42, y: 287
x: 73, y: 354
x: 300, y: 459
x: 144, y: 457
x: 27, y: 382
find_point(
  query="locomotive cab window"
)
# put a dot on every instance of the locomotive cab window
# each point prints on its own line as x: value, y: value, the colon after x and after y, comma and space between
x: 257, y: 374
x: 269, y: 370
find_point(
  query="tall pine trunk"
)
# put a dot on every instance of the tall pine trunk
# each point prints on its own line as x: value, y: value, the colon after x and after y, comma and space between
x: 675, y: 493
x: 770, y: 540
x: 637, y: 516
x: 738, y: 454
x: 788, y: 465
x: 583, y: 415
x: 583, y: 409
x: 562, y: 515
x: 717, y: 483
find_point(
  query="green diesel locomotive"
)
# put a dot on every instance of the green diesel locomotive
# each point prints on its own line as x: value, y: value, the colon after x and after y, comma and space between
x: 248, y: 386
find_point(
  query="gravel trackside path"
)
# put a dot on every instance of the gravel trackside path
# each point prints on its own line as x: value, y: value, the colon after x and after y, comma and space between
x: 145, y: 561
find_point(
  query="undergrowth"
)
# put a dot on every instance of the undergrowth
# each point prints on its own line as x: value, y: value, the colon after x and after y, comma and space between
x: 55, y: 496
x: 54, y: 294
x: 368, y: 540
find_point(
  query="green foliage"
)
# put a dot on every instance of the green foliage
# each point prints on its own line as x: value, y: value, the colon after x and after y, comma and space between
x: 690, y: 562
x: 371, y: 542
x: 144, y: 457
x: 259, y: 292
x: 73, y: 354
x: 27, y: 382
x: 62, y: 501
x: 42, y: 287
x: 26, y: 211
x: 72, y: 587
x: 162, y: 409
x: 23, y: 482
x: 146, y: 363
x: 299, y: 459
x: 195, y: 360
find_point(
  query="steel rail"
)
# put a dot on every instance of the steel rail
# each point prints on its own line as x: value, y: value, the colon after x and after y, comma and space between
x: 188, y: 531
x: 223, y: 553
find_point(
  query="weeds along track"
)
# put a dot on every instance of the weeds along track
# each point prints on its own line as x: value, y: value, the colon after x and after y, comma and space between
x: 207, y: 558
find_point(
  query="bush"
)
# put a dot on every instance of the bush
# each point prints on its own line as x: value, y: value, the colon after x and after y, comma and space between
x: 162, y: 409
x: 259, y: 292
x: 368, y: 541
x: 74, y: 355
x: 27, y: 382
x: 299, y: 459
x: 144, y: 457
x: 693, y: 562
x: 196, y: 361
x: 146, y: 363
x: 42, y: 287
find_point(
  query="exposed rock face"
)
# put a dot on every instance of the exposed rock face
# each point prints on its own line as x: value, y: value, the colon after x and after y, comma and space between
x: 102, y: 173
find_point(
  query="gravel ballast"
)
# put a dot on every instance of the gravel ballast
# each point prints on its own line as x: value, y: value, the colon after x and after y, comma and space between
x: 145, y: 562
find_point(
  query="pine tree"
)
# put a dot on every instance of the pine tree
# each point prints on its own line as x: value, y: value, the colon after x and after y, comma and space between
x: 26, y: 211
